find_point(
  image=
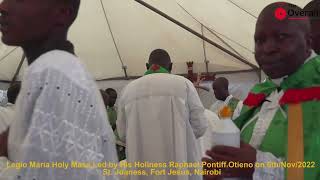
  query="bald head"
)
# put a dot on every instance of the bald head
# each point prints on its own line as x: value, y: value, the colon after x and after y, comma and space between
x: 160, y: 57
x: 220, y: 88
x: 293, y: 11
x: 313, y: 10
x: 282, y: 46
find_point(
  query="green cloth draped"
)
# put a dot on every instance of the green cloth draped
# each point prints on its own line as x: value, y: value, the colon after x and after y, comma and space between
x: 233, y: 103
x: 112, y: 116
x: 154, y: 68
x: 275, y: 140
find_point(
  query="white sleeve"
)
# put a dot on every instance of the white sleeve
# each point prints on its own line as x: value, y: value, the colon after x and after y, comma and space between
x: 6, y: 116
x: 61, y: 121
x: 3, y: 163
x: 198, y: 120
x: 5, y: 172
x: 237, y: 111
x: 121, y: 121
x: 268, y: 173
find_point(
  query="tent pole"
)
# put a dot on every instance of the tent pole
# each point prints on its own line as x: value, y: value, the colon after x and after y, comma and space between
x: 185, y: 75
x: 195, y: 33
x: 204, y: 52
x: 124, y: 67
x: 18, y: 69
x: 259, y: 74
x: 215, y: 34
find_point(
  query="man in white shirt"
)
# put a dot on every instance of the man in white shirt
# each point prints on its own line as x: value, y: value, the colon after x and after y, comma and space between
x: 221, y: 91
x: 160, y: 117
x: 60, y: 116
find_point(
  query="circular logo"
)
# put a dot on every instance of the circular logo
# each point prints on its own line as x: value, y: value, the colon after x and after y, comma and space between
x: 280, y: 13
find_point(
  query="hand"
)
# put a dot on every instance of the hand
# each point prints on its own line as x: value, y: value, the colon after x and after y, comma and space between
x: 4, y: 143
x: 199, y: 80
x: 244, y: 154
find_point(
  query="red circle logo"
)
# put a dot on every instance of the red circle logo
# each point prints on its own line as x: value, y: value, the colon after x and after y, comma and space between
x: 280, y: 13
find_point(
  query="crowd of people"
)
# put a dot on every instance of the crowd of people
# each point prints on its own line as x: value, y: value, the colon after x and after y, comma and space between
x: 60, y: 115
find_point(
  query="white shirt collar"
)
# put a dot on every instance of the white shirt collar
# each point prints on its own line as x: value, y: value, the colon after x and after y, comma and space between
x: 279, y: 80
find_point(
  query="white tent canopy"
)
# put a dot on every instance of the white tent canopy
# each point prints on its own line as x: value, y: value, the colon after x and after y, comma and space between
x: 111, y: 34
x: 137, y: 31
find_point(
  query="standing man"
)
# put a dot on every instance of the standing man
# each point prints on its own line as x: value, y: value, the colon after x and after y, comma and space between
x: 160, y: 116
x: 221, y: 91
x: 280, y: 119
x: 60, y: 115
x: 111, y: 109
x: 112, y: 115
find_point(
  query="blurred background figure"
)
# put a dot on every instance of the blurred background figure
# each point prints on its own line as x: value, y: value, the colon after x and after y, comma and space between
x: 221, y: 91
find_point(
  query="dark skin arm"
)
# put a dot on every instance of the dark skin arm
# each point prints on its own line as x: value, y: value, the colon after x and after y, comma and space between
x: 4, y: 143
x: 244, y: 154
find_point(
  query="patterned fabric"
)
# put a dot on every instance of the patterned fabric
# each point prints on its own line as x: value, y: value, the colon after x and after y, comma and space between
x: 271, y: 137
x: 60, y: 118
x: 268, y: 173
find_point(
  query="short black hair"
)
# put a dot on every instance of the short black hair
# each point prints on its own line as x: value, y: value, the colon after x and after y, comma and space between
x: 109, y: 90
x: 13, y: 92
x: 222, y: 81
x: 160, y: 57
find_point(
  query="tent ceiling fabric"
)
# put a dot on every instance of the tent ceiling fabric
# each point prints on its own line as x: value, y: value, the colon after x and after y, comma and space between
x: 137, y: 31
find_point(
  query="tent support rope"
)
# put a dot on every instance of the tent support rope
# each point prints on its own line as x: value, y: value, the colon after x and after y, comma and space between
x: 4, y: 57
x: 185, y: 75
x: 215, y: 34
x: 205, y: 52
x: 242, y: 9
x: 195, y: 33
x: 124, y: 67
x: 18, y: 69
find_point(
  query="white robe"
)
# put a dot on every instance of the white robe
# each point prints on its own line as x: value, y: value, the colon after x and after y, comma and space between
x: 60, y: 118
x: 206, y: 141
x: 160, y: 116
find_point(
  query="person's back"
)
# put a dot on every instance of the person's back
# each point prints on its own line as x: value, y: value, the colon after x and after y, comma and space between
x: 65, y: 115
x: 60, y: 115
x: 164, y: 116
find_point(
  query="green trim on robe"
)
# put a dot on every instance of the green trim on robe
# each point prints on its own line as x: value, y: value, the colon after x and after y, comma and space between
x: 275, y: 140
x: 154, y: 68
x: 112, y: 116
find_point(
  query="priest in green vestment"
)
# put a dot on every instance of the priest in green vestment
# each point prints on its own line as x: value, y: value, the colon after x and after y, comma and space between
x: 280, y: 118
